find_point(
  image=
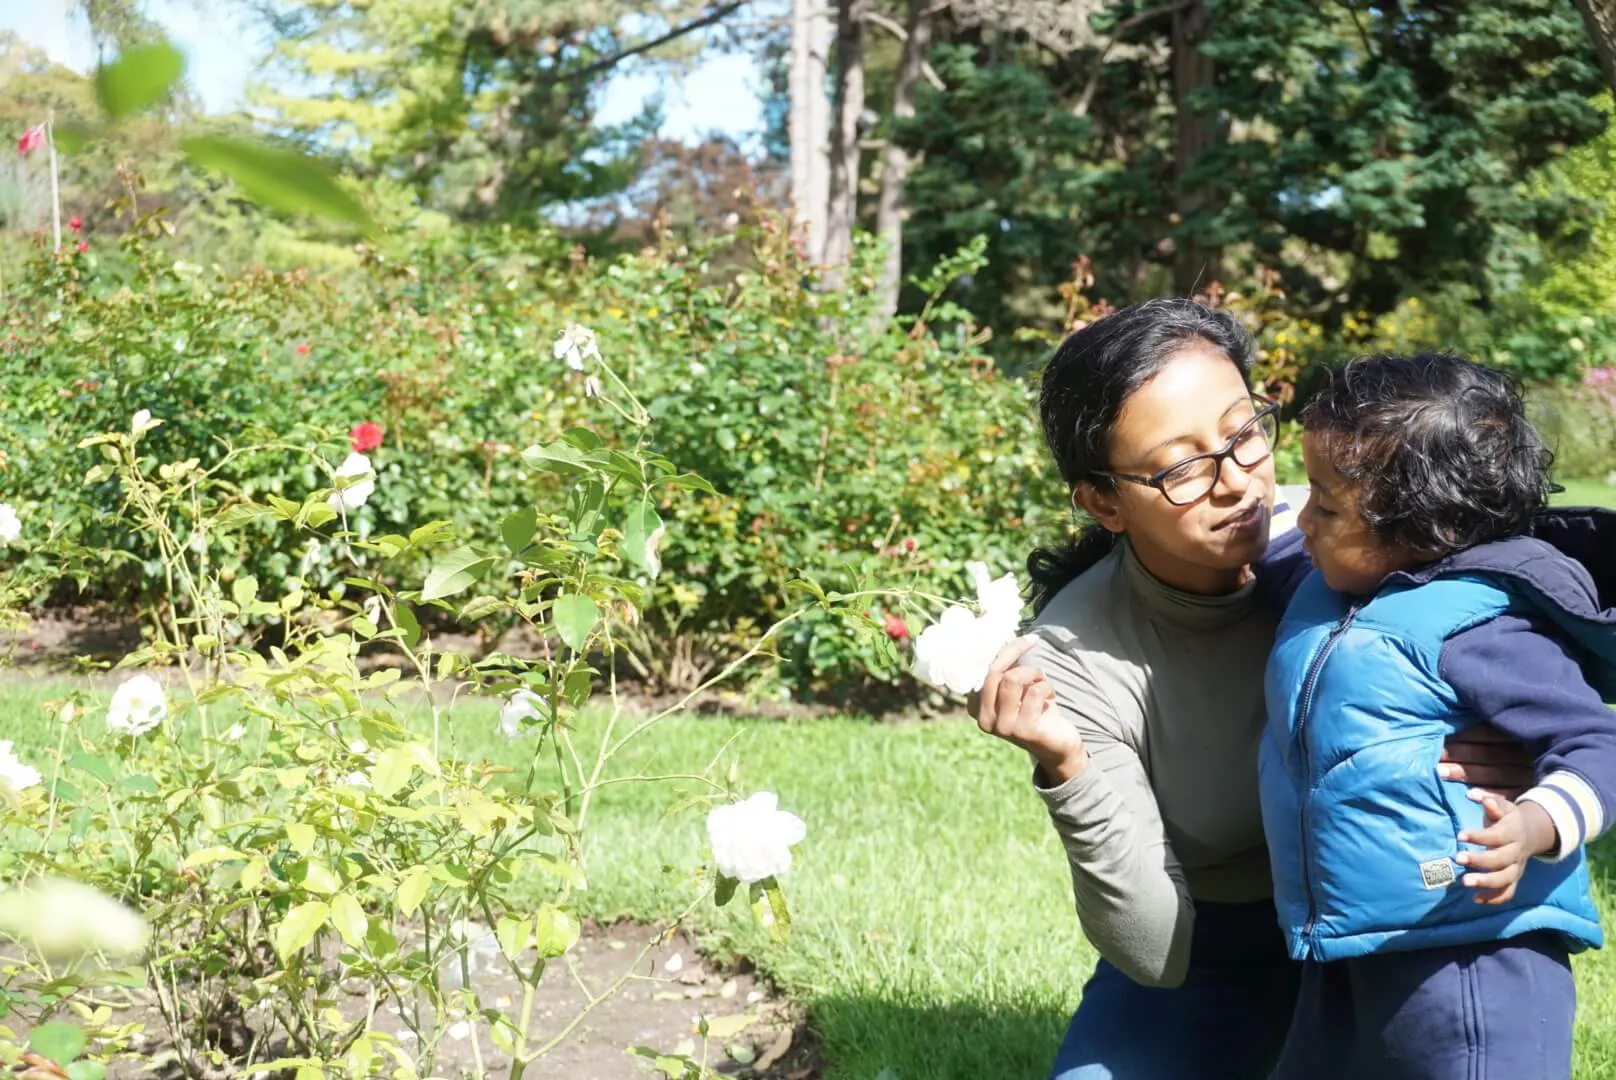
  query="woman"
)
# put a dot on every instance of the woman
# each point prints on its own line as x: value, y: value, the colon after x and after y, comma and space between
x: 1140, y: 698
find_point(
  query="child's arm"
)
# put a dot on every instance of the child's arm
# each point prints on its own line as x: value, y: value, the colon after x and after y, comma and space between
x: 1519, y: 675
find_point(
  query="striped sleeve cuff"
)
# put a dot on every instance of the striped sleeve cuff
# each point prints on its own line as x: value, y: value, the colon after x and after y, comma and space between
x: 1573, y: 806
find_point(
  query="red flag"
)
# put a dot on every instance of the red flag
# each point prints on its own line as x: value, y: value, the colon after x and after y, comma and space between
x: 32, y: 139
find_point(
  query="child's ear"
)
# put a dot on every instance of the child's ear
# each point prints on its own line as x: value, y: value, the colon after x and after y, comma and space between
x: 1100, y: 504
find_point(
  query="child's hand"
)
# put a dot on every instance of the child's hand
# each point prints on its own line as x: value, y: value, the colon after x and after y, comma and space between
x: 1517, y: 831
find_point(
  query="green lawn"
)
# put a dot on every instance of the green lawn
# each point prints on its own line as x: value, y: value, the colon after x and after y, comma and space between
x: 934, y: 932
x: 1586, y: 493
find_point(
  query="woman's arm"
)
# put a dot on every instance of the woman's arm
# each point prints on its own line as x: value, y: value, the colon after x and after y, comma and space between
x: 1132, y: 900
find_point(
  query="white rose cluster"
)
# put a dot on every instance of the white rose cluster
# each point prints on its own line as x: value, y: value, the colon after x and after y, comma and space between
x: 956, y: 651
x: 752, y: 839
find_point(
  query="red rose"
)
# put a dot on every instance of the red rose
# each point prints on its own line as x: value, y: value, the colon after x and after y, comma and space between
x: 83, y: 247
x: 897, y: 629
x: 75, y: 223
x: 302, y: 348
x: 909, y: 544
x: 365, y: 437
x: 31, y: 140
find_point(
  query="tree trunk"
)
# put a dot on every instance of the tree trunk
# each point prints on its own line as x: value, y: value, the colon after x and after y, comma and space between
x: 889, y: 212
x: 810, y: 120
x: 1600, y: 15
x: 1194, y: 264
x: 842, y: 210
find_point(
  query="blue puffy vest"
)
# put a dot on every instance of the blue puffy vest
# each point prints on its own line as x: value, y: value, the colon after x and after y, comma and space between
x: 1361, y: 831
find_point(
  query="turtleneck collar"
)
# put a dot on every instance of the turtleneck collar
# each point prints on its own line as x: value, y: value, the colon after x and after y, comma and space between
x: 1189, y: 610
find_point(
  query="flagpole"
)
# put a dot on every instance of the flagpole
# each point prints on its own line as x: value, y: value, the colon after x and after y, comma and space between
x: 56, y: 193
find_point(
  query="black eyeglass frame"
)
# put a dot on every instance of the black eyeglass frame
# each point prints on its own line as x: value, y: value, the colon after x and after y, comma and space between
x: 1158, y: 479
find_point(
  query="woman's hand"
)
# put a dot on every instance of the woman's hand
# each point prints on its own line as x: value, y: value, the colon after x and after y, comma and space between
x: 1486, y: 758
x: 1016, y: 704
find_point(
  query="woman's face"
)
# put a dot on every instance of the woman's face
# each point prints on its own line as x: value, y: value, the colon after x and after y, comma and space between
x: 1194, y: 405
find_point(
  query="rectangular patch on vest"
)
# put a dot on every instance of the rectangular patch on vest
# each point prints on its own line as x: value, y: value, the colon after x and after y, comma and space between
x: 1437, y: 874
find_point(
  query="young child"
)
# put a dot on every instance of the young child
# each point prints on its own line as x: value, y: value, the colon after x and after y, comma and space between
x: 1434, y: 924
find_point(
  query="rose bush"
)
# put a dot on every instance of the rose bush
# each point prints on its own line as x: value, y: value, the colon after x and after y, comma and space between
x: 837, y: 444
x: 288, y: 838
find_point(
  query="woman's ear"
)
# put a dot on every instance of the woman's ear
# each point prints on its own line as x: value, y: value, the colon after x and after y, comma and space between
x: 1101, y: 505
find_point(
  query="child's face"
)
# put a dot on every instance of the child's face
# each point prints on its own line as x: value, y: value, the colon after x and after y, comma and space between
x: 1352, y: 559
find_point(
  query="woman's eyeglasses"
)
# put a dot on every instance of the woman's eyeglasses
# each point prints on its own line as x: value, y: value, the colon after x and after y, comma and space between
x: 1193, y: 479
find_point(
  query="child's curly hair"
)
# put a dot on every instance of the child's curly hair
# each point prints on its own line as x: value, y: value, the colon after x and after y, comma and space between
x: 1438, y: 445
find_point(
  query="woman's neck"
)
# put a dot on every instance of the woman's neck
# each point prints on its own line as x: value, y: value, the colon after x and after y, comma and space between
x: 1189, y: 577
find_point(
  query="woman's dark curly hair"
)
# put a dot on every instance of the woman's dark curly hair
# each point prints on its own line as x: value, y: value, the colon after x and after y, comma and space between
x: 1439, y: 447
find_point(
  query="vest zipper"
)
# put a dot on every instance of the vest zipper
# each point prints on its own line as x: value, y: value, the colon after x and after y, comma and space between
x: 1308, y: 685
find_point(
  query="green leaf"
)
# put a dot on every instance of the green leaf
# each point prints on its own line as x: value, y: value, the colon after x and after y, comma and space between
x: 86, y: 1070
x: 316, y: 512
x: 93, y: 765
x: 301, y: 836
x: 431, y: 533
x: 412, y: 890
x: 391, y: 771
x: 318, y: 878
x: 479, y: 607
x: 575, y: 690
x: 454, y: 573
x: 583, y: 438
x: 513, y: 934
x: 555, y: 931
x: 575, y: 617
x: 244, y: 590
x: 349, y: 919
x: 518, y: 528
x: 405, y: 620
x: 769, y: 906
x: 209, y: 855
x: 555, y: 457
x: 234, y: 517
x: 138, y: 79
x: 58, y: 1040
x: 724, y: 892
x: 643, y: 523
x: 692, y: 482
x: 299, y: 928
x: 280, y: 179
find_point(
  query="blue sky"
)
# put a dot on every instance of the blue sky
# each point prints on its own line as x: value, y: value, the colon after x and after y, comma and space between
x: 722, y: 94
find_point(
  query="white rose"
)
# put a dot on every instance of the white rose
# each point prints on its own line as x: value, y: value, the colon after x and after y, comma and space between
x: 576, y: 344
x: 957, y: 650
x: 520, y: 707
x: 752, y: 840
x: 354, y: 495
x: 64, y: 919
x: 143, y: 422
x: 999, y: 600
x: 15, y: 776
x: 10, y: 524
x: 137, y: 706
